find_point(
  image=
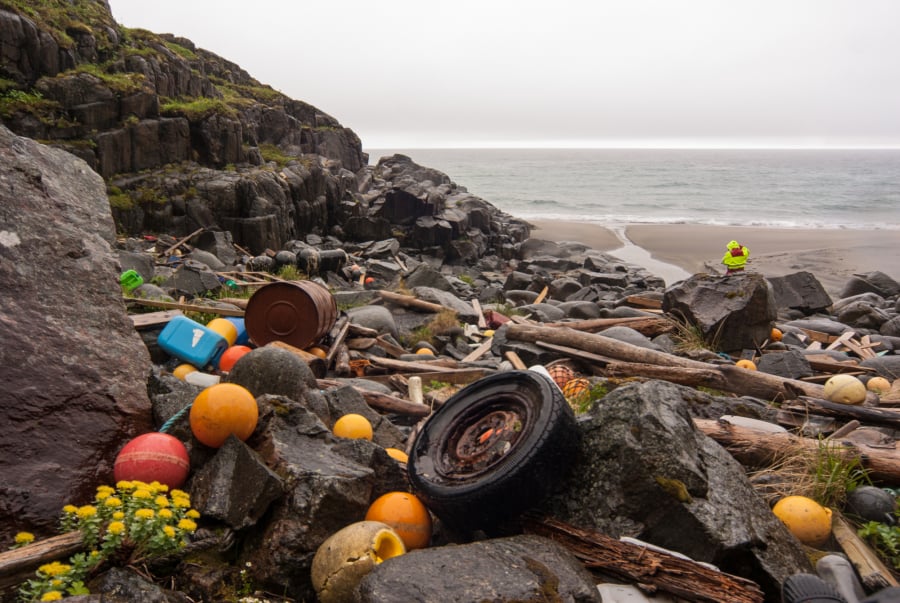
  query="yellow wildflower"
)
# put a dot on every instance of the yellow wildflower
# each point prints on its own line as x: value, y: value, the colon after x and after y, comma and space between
x: 115, y: 528
x: 101, y: 496
x: 176, y: 493
x: 124, y: 485
x: 113, y: 501
x: 181, y: 503
x: 70, y: 509
x: 158, y: 487
x: 52, y: 595
x: 24, y: 538
x: 193, y: 514
x: 104, y: 488
x: 119, y: 515
x: 169, y: 531
x: 165, y: 513
x: 86, y: 511
x: 54, y: 568
x: 142, y: 493
x: 187, y: 525
x: 161, y: 501
x: 144, y: 514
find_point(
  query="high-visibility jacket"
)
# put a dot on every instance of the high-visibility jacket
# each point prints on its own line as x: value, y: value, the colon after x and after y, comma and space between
x: 736, y: 257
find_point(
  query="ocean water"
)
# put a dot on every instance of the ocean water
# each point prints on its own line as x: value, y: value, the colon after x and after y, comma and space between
x: 614, y: 187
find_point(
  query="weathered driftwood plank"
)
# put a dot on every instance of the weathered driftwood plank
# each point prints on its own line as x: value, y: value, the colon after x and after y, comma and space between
x: 874, y: 574
x: 20, y: 564
x: 632, y: 563
x: 154, y: 303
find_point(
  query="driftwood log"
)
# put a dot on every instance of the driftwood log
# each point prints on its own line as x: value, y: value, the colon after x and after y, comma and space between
x: 652, y: 570
x: 408, y: 301
x: 381, y: 401
x: 759, y: 449
x: 734, y: 379
x: 650, y: 327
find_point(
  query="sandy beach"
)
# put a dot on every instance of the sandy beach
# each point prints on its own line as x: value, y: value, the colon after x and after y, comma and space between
x: 678, y: 250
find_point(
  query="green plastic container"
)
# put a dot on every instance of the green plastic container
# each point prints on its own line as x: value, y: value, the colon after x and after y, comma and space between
x: 130, y: 280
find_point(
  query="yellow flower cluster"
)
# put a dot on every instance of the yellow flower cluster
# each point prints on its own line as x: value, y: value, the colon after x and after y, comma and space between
x: 145, y: 519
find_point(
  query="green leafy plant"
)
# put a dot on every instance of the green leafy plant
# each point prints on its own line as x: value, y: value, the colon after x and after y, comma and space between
x: 126, y: 525
x: 885, y: 539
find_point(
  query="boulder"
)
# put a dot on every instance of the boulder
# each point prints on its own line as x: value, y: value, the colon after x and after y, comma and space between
x: 516, y: 568
x: 735, y: 311
x: 646, y: 472
x: 74, y: 369
x: 800, y: 291
x: 330, y: 483
x: 874, y: 282
x: 791, y: 364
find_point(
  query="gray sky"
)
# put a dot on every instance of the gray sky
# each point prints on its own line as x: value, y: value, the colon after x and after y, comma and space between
x: 571, y: 73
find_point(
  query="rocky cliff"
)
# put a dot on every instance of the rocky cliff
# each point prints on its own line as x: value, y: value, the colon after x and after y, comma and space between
x: 186, y: 139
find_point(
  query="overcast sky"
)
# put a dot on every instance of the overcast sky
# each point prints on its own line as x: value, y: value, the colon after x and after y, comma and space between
x: 570, y: 73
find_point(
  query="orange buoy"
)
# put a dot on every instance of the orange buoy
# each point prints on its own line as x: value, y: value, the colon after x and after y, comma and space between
x: 353, y: 426
x: 222, y: 410
x: 746, y: 364
x: 406, y: 515
x: 232, y: 355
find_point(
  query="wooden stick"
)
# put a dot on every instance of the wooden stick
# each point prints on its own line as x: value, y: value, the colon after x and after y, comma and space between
x: 153, y: 303
x: 182, y: 241
x: 541, y: 295
x: 408, y: 301
x: 878, y: 416
x: 342, y: 361
x: 647, y: 326
x: 336, y: 344
x: 515, y: 360
x: 383, y: 402
x: 874, y: 574
x: 479, y: 351
x: 482, y: 323
x: 441, y: 365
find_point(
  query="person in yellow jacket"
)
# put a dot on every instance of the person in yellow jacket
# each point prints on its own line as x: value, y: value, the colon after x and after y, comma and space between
x: 735, y: 258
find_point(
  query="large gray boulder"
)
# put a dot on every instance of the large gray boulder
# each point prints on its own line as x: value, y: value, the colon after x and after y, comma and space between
x: 734, y: 312
x: 74, y: 370
x: 645, y: 471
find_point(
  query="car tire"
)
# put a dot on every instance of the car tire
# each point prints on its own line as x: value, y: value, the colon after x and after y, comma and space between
x: 493, y: 450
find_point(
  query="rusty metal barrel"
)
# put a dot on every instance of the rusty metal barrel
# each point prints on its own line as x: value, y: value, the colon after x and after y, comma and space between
x: 299, y: 313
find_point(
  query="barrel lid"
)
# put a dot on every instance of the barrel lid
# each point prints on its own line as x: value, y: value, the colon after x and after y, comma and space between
x: 288, y: 311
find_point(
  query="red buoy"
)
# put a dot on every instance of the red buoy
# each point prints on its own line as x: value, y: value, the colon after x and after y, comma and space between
x: 153, y: 457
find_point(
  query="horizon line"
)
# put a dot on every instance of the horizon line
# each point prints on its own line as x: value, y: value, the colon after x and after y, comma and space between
x: 638, y: 148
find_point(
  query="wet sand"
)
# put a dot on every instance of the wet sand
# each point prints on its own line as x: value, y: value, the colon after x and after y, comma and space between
x: 678, y: 250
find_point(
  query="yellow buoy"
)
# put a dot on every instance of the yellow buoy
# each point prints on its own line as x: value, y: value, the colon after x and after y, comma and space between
x: 806, y: 519
x: 879, y: 385
x: 845, y: 389
x: 746, y: 364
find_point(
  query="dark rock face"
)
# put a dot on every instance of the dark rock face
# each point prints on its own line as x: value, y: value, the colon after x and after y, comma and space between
x: 62, y: 307
x: 519, y: 568
x: 800, y: 291
x: 737, y: 310
x: 645, y: 471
